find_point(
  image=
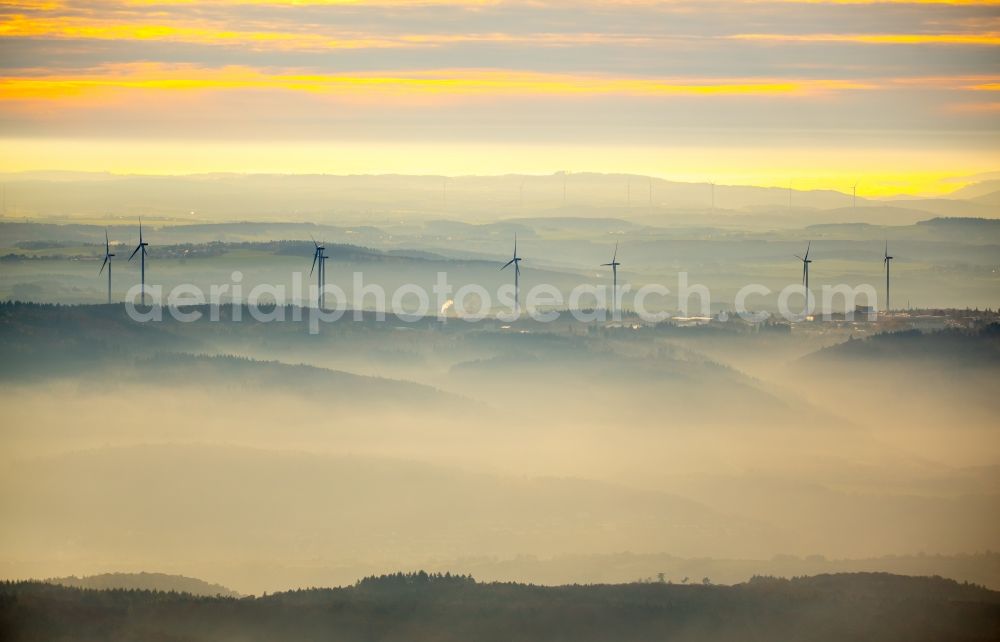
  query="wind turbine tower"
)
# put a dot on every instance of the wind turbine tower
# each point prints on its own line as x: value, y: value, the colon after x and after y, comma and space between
x: 887, y: 260
x: 805, y: 274
x: 141, y: 248
x: 614, y: 282
x: 107, y: 261
x: 517, y: 275
x: 320, y: 258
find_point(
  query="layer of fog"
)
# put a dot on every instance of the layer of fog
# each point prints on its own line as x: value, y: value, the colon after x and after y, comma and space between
x: 516, y: 445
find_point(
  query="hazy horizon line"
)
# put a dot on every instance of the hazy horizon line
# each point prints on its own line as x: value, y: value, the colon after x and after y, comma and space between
x: 960, y: 181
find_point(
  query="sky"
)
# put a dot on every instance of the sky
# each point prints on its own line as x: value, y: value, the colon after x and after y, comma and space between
x: 901, y: 97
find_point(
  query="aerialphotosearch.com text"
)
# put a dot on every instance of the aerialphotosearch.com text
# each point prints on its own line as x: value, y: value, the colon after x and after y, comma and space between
x: 541, y: 302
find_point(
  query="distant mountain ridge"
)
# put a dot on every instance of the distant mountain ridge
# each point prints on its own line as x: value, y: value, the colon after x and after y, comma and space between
x: 321, y: 196
x: 144, y: 581
x: 981, y: 190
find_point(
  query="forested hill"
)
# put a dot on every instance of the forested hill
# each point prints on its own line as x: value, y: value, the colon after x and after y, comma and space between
x: 835, y: 608
x: 41, y: 341
x: 146, y: 582
x: 952, y: 346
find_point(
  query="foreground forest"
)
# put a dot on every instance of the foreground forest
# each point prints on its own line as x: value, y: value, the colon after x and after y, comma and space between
x: 419, y: 606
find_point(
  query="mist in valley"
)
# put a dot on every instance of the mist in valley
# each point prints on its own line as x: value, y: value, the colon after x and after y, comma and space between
x: 262, y: 457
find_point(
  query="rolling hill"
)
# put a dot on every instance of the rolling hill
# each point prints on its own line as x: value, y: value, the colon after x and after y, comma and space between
x: 161, y: 582
x: 416, y: 607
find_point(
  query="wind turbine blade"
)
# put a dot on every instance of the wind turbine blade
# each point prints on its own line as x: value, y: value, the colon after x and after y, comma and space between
x: 507, y: 264
x: 809, y: 245
x: 615, y: 257
x: 103, y: 264
x: 798, y: 257
x: 315, y: 257
x: 517, y: 269
x: 805, y: 272
x: 107, y: 242
x: 137, y: 248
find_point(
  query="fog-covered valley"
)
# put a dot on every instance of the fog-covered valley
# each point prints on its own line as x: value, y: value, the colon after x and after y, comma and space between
x: 438, y: 444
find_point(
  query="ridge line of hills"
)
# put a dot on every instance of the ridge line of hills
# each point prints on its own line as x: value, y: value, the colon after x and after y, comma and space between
x: 421, y: 606
x: 145, y: 581
x: 254, y: 195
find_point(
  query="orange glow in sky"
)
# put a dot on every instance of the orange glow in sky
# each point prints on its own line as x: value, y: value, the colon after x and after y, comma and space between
x: 824, y: 90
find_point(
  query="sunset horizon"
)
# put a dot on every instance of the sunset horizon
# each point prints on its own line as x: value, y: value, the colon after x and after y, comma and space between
x: 899, y: 96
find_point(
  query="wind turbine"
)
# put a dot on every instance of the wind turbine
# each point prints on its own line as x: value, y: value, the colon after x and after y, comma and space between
x: 614, y: 276
x: 854, y: 196
x: 712, y: 184
x: 107, y: 261
x: 887, y: 260
x: 142, y: 262
x: 517, y: 274
x: 805, y: 273
x: 319, y: 257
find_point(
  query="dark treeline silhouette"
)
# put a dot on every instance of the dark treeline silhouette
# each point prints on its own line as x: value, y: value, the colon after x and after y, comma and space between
x: 980, y: 346
x: 418, y: 579
x: 957, y: 221
x: 420, y: 606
